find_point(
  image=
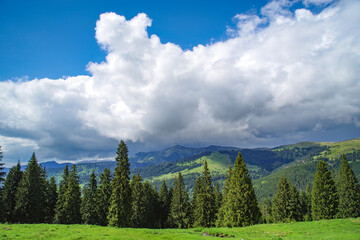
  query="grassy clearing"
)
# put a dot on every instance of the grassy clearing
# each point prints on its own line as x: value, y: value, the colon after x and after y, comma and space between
x: 329, y: 229
x: 338, y: 148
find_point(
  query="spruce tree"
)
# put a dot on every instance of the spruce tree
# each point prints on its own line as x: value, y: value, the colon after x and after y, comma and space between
x: 295, y: 205
x: 138, y: 202
x: 218, y: 197
x: 10, y: 188
x: 151, y: 201
x: 120, y: 201
x: 267, y: 211
x: 60, y: 216
x: 324, y: 202
x: 222, y: 209
x: 349, y: 191
x: 204, y: 200
x: 104, y: 194
x: 305, y: 202
x: 89, y: 203
x: 180, y: 206
x: 51, y: 200
x: 72, y: 199
x: 164, y: 205
x: 240, y: 204
x: 31, y: 194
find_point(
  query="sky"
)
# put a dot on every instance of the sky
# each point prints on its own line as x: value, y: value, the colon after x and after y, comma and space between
x: 76, y: 77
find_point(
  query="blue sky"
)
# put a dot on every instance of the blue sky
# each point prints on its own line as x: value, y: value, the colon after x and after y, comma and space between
x: 78, y: 76
x: 56, y: 38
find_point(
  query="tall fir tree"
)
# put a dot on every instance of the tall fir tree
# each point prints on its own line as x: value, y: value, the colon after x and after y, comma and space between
x: 60, y: 216
x: 120, y: 201
x: 31, y: 194
x: 137, y: 204
x: 180, y: 205
x: 104, y: 194
x: 348, y: 191
x: 204, y: 201
x: 324, y: 201
x: 89, y: 202
x: 240, y: 203
x: 10, y: 188
x: 305, y: 202
x: 72, y: 199
x: 165, y: 201
x: 51, y: 200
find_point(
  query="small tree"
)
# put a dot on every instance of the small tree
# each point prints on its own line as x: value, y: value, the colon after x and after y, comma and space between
x: 240, y: 204
x: 218, y: 197
x: 165, y: 201
x: 325, y: 200
x: 104, y: 194
x: 180, y: 206
x: 60, y: 216
x: 10, y: 189
x: 31, y: 194
x: 51, y: 200
x: 89, y: 203
x: 349, y: 191
x: 120, y: 201
x: 137, y: 204
x: 72, y: 199
x: 204, y: 200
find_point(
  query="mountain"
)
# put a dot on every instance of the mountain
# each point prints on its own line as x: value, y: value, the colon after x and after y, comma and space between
x: 266, y: 165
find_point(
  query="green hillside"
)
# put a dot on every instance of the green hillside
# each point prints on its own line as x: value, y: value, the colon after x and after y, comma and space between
x: 325, y: 229
x: 266, y: 166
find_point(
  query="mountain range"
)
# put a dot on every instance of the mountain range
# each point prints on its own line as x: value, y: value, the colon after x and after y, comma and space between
x: 266, y: 165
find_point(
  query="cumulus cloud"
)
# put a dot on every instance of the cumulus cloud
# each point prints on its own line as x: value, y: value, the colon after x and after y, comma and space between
x: 281, y: 74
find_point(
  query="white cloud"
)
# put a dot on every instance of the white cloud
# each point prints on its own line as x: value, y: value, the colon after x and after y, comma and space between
x: 299, y: 73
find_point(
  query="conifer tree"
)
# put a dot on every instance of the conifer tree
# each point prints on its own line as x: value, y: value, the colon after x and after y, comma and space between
x: 60, y: 216
x: 120, y: 201
x: 10, y: 188
x: 151, y: 201
x: 165, y: 201
x: 51, y: 200
x: 204, y: 201
x: 324, y: 202
x: 295, y: 204
x: 267, y: 210
x: 222, y: 209
x: 31, y: 194
x: 2, y: 178
x: 89, y: 203
x: 240, y: 204
x: 72, y: 199
x: 137, y: 204
x: 104, y: 194
x: 349, y: 191
x: 180, y: 206
x: 305, y: 202
x: 218, y: 197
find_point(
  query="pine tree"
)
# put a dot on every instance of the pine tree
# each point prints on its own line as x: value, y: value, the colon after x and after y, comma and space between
x: 267, y: 210
x: 72, y: 199
x: 137, y: 204
x: 222, y: 209
x: 305, y: 202
x: 151, y: 201
x: 104, y: 194
x: 51, y: 199
x: 349, y: 191
x: 120, y: 206
x: 324, y: 202
x: 31, y: 194
x: 218, y: 197
x: 240, y: 204
x: 295, y: 204
x: 60, y: 216
x: 89, y: 203
x: 204, y: 200
x: 10, y: 188
x: 164, y: 205
x: 180, y: 206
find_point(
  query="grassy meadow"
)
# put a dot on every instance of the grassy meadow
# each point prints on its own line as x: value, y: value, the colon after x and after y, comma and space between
x: 325, y: 229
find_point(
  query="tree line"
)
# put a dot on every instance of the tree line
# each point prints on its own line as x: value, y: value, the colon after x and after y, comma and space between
x: 117, y: 200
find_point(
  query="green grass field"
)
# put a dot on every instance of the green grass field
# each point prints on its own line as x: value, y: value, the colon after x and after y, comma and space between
x: 329, y: 229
